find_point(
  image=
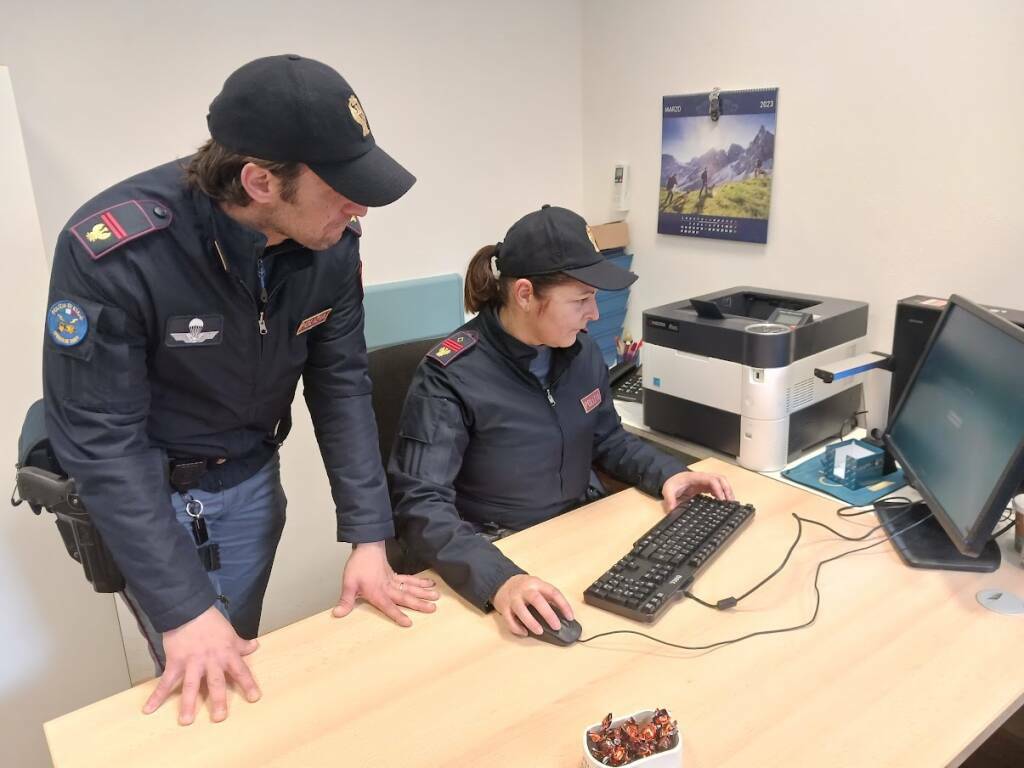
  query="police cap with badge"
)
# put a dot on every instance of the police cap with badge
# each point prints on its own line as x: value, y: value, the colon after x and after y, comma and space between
x: 554, y: 240
x: 292, y: 109
x: 544, y: 242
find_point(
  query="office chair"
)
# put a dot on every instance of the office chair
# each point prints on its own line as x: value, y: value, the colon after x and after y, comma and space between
x: 391, y: 370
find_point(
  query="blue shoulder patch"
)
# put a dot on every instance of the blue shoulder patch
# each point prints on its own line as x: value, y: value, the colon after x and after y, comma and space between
x: 452, y: 347
x: 66, y: 323
x: 111, y: 228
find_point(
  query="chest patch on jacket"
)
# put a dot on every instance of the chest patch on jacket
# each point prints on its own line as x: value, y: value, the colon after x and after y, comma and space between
x: 194, y: 331
x: 107, y: 230
x: 313, y: 321
x: 452, y: 347
x: 591, y: 401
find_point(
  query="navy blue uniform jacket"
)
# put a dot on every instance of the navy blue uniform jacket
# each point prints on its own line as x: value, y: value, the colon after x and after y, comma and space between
x: 138, y: 389
x: 481, y: 441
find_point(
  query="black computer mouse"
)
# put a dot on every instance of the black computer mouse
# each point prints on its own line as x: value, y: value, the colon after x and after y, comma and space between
x: 567, y: 635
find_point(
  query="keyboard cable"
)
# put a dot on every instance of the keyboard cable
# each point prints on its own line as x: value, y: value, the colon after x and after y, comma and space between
x: 893, y: 502
x: 817, y: 591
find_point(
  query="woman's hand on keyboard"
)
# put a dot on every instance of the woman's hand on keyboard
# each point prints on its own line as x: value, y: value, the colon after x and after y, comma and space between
x: 684, y: 486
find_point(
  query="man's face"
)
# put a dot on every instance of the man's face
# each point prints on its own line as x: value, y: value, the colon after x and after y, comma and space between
x: 317, y: 215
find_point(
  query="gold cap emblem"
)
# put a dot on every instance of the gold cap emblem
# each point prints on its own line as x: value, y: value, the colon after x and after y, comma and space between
x: 593, y: 242
x: 98, y: 232
x: 358, y: 115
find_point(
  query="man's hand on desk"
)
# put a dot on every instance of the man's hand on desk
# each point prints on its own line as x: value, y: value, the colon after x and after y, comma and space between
x: 685, y: 485
x: 206, y: 647
x: 369, y: 576
x: 515, y: 594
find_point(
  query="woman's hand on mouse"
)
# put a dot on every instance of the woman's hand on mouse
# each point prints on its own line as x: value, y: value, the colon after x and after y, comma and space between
x: 513, y: 597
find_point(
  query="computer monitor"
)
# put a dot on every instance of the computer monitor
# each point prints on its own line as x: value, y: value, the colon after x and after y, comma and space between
x: 958, y: 433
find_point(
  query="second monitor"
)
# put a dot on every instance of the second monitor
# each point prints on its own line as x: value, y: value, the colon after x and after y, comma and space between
x: 958, y: 433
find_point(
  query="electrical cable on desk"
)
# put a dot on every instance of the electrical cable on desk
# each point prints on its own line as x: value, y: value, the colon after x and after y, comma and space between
x: 891, y: 501
x: 730, y: 602
x: 898, y: 501
x: 814, y: 614
x: 908, y: 504
x: 1003, y: 530
x: 853, y: 423
x: 1008, y: 517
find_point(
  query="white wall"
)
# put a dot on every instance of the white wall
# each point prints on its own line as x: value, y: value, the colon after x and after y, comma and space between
x: 60, y: 647
x: 482, y: 101
x: 897, y: 159
x: 898, y: 156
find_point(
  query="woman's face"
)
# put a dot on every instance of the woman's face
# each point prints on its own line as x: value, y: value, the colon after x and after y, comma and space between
x: 562, y: 312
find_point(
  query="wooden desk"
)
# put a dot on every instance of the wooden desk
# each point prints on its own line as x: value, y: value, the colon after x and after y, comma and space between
x: 902, y: 668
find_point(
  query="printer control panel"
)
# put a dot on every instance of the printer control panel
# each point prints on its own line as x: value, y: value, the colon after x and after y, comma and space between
x: 791, y: 317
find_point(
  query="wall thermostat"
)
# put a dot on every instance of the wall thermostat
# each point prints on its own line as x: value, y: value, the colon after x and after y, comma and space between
x: 620, y: 187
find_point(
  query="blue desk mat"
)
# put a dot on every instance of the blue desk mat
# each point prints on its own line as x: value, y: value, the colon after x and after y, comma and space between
x: 812, y: 474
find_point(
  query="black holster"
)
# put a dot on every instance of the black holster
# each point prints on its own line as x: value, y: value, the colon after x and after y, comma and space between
x: 42, y: 483
x: 55, y: 493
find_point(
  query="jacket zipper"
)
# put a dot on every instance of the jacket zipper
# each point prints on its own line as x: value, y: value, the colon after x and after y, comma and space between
x: 260, y: 303
x: 248, y: 293
x: 261, y: 273
x: 558, y: 423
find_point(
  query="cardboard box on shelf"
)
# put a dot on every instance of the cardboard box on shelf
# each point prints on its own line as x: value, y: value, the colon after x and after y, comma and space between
x: 614, y: 234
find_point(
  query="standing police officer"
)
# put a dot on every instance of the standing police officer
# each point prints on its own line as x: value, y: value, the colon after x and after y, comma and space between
x: 185, y: 303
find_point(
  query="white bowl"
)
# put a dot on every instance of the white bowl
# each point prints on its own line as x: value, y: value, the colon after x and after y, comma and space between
x: 670, y: 758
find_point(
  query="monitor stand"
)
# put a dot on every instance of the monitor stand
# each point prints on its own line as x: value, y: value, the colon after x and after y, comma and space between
x: 927, y: 545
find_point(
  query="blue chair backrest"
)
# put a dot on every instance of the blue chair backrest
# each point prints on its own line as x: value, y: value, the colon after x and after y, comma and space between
x: 408, y: 310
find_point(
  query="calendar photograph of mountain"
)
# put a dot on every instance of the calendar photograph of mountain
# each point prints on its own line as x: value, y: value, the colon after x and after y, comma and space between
x: 716, y: 175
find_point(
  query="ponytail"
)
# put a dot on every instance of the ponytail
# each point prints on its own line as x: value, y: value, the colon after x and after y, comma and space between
x: 482, y: 286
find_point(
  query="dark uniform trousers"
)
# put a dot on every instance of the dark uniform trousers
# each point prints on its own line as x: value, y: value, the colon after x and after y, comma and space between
x: 482, y: 445
x: 246, y: 522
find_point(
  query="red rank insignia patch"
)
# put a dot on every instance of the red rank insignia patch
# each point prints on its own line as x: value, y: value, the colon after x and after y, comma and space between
x: 102, y: 232
x: 313, y: 321
x: 591, y: 401
x: 452, y: 347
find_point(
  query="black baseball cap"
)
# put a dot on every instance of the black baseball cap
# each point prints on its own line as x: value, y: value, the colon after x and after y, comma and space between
x: 557, y: 240
x: 292, y: 109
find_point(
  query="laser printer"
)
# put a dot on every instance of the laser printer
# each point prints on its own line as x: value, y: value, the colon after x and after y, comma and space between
x: 734, y: 370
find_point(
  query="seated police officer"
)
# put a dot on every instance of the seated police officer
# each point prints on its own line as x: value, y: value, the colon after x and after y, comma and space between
x: 504, y: 419
x: 185, y: 303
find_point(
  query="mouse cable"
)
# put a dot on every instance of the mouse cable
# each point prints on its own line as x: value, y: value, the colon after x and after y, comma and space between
x: 814, y: 614
x: 726, y: 603
x: 890, y: 501
x: 1002, y: 530
x: 898, y: 501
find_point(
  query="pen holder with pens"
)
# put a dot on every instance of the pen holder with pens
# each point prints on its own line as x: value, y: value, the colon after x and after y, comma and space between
x: 853, y: 463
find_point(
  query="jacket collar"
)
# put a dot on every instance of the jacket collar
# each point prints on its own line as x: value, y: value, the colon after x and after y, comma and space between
x: 518, y: 353
x: 236, y: 246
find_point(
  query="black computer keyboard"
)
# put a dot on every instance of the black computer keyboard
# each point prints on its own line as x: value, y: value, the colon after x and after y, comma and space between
x: 631, y: 388
x: 666, y: 559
